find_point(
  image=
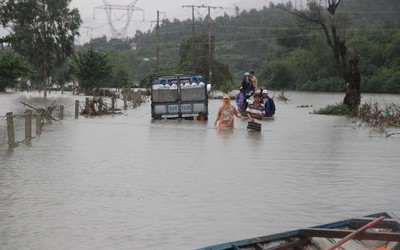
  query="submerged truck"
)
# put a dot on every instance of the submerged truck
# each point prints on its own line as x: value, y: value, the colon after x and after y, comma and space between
x: 179, y: 96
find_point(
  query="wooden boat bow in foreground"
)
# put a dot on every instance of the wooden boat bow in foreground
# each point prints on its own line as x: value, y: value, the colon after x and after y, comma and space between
x: 377, y: 231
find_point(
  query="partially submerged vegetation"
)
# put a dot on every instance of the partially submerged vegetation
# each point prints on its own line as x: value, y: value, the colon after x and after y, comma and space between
x: 334, y: 109
x: 381, y: 119
x: 282, y: 97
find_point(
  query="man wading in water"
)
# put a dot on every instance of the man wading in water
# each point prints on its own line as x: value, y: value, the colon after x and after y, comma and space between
x: 226, y: 114
x: 255, y: 112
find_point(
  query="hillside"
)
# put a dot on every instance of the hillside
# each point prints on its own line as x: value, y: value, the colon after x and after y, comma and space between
x: 284, y: 51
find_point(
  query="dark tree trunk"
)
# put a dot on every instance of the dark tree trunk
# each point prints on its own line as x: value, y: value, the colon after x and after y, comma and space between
x: 349, y: 71
x: 348, y: 67
x: 353, y: 81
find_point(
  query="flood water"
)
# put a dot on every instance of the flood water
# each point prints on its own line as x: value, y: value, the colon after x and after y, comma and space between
x: 129, y: 182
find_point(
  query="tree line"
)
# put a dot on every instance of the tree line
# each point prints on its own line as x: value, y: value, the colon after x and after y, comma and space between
x: 286, y: 52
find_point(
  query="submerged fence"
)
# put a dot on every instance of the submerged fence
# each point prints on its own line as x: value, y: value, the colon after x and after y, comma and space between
x: 28, y: 125
x: 34, y: 120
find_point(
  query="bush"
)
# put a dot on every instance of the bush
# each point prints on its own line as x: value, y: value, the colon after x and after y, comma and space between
x: 332, y: 84
x: 335, y: 109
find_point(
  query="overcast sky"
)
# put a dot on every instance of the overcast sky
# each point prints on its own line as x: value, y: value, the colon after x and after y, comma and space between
x: 95, y: 22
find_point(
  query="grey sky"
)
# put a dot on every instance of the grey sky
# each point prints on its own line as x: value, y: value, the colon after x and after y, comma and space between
x: 95, y: 22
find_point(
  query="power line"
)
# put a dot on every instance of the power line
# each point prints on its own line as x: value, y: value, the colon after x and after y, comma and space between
x: 209, y: 7
x: 118, y: 33
x: 158, y: 38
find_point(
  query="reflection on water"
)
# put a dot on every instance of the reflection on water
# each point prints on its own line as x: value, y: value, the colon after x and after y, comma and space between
x: 129, y: 182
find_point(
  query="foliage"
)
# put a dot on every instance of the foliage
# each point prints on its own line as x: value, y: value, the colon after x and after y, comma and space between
x: 285, y: 52
x: 11, y: 68
x: 288, y: 53
x: 332, y: 84
x: 41, y: 31
x: 92, y: 69
x: 120, y: 79
x: 384, y: 80
x: 195, y: 54
x: 379, y: 118
x: 336, y: 109
x: 381, y: 46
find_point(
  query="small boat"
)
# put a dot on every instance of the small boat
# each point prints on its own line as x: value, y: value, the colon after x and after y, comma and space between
x: 379, y: 231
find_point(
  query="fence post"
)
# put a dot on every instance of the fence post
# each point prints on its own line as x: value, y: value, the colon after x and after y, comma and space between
x: 76, y: 109
x: 134, y: 99
x: 113, y: 103
x: 125, y: 105
x: 86, y: 105
x: 10, y: 130
x: 61, y: 112
x: 139, y: 99
x: 28, y: 124
x: 38, y: 122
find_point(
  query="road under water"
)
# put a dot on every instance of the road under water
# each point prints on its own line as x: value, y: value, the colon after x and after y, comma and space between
x: 129, y: 182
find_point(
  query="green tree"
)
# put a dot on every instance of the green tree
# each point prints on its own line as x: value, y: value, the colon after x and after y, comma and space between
x: 347, y: 64
x: 248, y: 40
x: 121, y: 78
x: 11, y: 68
x: 41, y: 31
x: 92, y: 69
x: 196, y: 58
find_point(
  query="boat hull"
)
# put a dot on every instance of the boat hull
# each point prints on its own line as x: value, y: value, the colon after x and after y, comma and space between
x: 376, y: 231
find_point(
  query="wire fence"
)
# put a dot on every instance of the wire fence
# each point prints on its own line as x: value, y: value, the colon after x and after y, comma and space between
x: 16, y: 128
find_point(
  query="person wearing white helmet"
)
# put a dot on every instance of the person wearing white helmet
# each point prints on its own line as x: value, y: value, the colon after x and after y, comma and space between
x: 268, y: 103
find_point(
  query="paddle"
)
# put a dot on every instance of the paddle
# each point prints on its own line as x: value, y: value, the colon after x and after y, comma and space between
x: 355, y: 233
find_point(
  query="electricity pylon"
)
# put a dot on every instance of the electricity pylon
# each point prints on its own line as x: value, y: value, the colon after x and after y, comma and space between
x: 109, y: 8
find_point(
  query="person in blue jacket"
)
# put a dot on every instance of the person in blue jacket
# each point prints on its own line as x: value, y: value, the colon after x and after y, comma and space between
x: 268, y: 104
x: 246, y: 91
x: 247, y: 83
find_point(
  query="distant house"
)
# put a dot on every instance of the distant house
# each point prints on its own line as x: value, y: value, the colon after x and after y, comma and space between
x: 148, y: 59
x: 134, y: 46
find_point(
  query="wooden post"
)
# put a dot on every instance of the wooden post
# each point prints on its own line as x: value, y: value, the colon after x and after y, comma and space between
x: 38, y: 122
x: 101, y: 104
x: 125, y: 105
x: 61, y: 112
x: 76, y: 109
x: 134, y: 99
x: 28, y: 124
x: 139, y: 99
x: 87, y: 107
x: 113, y: 102
x: 10, y: 130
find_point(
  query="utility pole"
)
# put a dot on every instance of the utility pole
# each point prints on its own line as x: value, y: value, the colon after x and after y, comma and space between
x: 209, y: 33
x: 209, y: 42
x: 191, y: 6
x: 209, y: 46
x: 193, y: 31
x: 44, y: 48
x: 158, y: 38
